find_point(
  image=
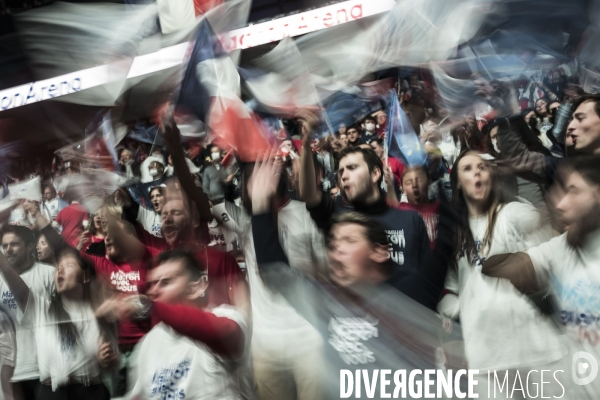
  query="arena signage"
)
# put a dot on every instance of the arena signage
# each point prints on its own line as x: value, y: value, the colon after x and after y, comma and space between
x: 253, y: 35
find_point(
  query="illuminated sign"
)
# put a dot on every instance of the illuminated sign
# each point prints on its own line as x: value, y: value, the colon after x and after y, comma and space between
x: 254, y: 35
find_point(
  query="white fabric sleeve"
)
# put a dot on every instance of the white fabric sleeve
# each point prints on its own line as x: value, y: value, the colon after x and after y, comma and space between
x: 545, y: 256
x: 527, y: 225
x: 449, y: 305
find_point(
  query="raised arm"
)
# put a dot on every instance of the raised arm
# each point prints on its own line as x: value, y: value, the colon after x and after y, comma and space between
x: 516, y: 154
x: 517, y: 268
x: 272, y: 262
x: 173, y: 141
x: 306, y: 174
x: 223, y: 335
x: 128, y: 240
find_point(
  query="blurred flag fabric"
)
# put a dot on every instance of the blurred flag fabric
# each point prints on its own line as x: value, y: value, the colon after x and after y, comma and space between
x: 92, y: 186
x: 343, y: 108
x: 27, y: 190
x: 591, y: 81
x: 210, y: 89
x: 176, y: 14
x: 402, y: 141
x: 62, y: 38
x: 145, y: 134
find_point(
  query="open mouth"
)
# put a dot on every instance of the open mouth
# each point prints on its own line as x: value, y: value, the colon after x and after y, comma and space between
x: 60, y: 280
x: 337, y: 268
x: 478, y: 185
x: 168, y: 231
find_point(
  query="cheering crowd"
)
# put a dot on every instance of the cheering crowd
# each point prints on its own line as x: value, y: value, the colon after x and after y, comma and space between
x: 201, y: 274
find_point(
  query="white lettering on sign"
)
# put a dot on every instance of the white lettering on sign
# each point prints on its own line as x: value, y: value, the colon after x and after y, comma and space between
x: 302, y: 23
x: 172, y: 56
x: 50, y: 88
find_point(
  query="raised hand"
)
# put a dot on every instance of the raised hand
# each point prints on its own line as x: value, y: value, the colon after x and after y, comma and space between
x: 308, y: 120
x: 264, y: 182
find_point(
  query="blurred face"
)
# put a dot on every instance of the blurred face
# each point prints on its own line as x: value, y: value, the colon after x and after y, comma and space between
x: 585, y: 129
x: 579, y: 208
x: 68, y: 274
x: 541, y: 108
x: 474, y: 178
x: 377, y: 149
x: 15, y: 250
x: 114, y: 251
x: 334, y: 192
x: 215, y: 153
x: 126, y: 155
x: 175, y: 220
x: 156, y: 169
x: 483, y: 88
x: 44, y: 252
x: 343, y: 140
x: 168, y: 283
x: 357, y: 182
x: 353, y: 135
x: 342, y: 129
x: 157, y: 200
x: 349, y: 252
x: 48, y: 194
x: 287, y: 145
x: 494, y: 138
x: 381, y: 118
x: 415, y: 184
x: 570, y: 95
x: 97, y: 221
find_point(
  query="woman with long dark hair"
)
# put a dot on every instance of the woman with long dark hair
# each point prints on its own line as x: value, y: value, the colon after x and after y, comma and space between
x: 503, y: 330
x: 72, y: 344
x: 94, y: 233
x: 44, y: 252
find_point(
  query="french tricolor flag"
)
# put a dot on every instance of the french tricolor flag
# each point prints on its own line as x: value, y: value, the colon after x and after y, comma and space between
x: 210, y: 90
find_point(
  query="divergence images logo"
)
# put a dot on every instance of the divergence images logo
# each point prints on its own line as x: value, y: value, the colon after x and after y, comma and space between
x: 584, y: 363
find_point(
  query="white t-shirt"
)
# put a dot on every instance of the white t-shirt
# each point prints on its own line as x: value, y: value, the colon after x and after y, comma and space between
x: 172, y: 366
x: 277, y: 329
x: 449, y: 149
x: 59, y: 359
x: 40, y: 280
x: 502, y: 328
x: 574, y: 274
x: 150, y: 220
x: 50, y: 209
x: 8, y: 340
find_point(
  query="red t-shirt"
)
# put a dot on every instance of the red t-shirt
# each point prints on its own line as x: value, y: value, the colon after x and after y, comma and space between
x: 223, y: 275
x: 126, y: 278
x: 89, y: 240
x: 429, y: 213
x: 71, y: 219
x: 222, y: 269
x: 397, y: 168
